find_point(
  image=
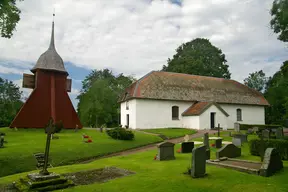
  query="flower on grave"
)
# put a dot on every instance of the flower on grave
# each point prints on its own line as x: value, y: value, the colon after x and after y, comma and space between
x: 85, y: 136
x: 155, y: 157
x: 213, y: 145
x: 179, y: 150
x: 89, y: 141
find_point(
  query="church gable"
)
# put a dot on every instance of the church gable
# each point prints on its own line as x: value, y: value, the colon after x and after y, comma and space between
x: 200, y: 107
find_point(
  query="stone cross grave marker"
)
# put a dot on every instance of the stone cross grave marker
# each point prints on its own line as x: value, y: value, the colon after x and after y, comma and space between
x: 237, y: 127
x: 165, y: 151
x: 237, y: 141
x: 198, y: 168
x: 186, y: 138
x: 50, y: 129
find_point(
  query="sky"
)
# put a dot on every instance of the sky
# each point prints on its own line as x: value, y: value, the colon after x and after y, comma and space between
x: 134, y: 37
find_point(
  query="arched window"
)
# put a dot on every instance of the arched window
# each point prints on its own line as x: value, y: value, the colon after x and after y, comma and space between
x: 127, y: 105
x: 175, y: 113
x: 239, y: 114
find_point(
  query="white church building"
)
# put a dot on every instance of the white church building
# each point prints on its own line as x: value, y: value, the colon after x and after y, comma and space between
x: 164, y: 99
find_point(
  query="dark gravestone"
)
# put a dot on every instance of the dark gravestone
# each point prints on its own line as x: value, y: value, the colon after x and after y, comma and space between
x: 165, y: 151
x: 266, y: 134
x: 279, y: 133
x: 186, y: 147
x: 198, y: 168
x: 229, y: 150
x: 1, y: 141
x: 206, y: 140
x: 218, y: 143
x: 207, y: 153
x: 237, y: 141
x: 272, y: 163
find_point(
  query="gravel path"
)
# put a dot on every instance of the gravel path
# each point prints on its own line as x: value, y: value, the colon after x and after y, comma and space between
x: 151, y: 146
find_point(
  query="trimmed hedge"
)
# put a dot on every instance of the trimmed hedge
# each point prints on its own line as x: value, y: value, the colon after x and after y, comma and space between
x: 120, y: 134
x: 280, y: 144
x: 261, y: 127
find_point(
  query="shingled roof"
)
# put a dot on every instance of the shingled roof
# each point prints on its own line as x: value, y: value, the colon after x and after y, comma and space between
x: 183, y: 87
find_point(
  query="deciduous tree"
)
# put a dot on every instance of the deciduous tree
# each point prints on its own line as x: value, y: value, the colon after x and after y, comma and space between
x: 199, y: 57
x: 256, y: 80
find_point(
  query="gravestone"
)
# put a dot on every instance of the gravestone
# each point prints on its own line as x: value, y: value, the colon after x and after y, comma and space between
x: 237, y: 127
x: 186, y: 147
x: 243, y: 137
x: 1, y: 141
x: 165, y: 151
x: 230, y: 134
x: 218, y: 143
x: 206, y: 140
x: 229, y: 150
x: 272, y: 162
x: 279, y: 133
x: 218, y: 130
x: 255, y: 129
x: 237, y: 141
x: 208, y: 154
x: 266, y: 134
x: 198, y: 168
x: 249, y: 131
x: 76, y: 128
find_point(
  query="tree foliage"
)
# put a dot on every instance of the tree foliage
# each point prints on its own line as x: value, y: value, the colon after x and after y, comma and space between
x: 9, y: 17
x: 199, y: 57
x: 277, y: 95
x: 279, y: 21
x: 256, y: 80
x: 10, y: 101
x: 98, y: 98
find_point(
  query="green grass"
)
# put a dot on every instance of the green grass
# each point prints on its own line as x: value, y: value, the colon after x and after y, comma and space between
x: 17, y: 156
x: 171, y: 132
x: 154, y: 176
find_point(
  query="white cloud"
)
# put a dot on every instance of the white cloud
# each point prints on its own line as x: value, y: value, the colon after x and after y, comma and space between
x: 135, y: 37
x: 74, y: 91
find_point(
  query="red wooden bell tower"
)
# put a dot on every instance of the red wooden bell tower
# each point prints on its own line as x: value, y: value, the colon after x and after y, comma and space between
x: 49, y: 97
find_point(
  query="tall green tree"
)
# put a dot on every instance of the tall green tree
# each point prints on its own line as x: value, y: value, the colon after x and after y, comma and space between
x: 9, y: 17
x: 256, y: 80
x: 10, y: 101
x: 277, y: 95
x: 98, y: 98
x: 199, y: 57
x: 279, y: 21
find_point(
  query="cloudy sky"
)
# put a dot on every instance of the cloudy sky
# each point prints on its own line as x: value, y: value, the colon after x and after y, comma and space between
x: 136, y: 36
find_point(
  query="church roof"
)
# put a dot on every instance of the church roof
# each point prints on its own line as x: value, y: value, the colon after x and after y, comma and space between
x: 199, y: 107
x: 183, y: 87
x: 50, y: 59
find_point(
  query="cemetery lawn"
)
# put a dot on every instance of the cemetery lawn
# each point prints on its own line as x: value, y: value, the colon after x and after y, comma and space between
x: 17, y: 156
x: 171, y: 132
x: 154, y: 176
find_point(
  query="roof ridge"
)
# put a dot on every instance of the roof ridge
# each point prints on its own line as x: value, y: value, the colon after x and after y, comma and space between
x: 192, y: 75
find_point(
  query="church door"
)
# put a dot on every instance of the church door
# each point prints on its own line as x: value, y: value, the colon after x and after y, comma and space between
x: 212, y: 120
x: 127, y: 120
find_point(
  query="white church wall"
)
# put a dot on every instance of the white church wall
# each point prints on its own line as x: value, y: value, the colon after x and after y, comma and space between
x: 205, y: 119
x: 131, y: 112
x: 158, y: 113
x: 250, y: 114
x: 191, y: 122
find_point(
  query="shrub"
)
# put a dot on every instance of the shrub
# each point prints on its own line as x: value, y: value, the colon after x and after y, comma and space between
x: 58, y: 126
x: 120, y: 133
x: 280, y: 144
x: 261, y: 127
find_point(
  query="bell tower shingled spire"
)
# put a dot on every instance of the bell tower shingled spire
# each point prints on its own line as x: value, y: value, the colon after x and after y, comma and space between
x: 50, y: 59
